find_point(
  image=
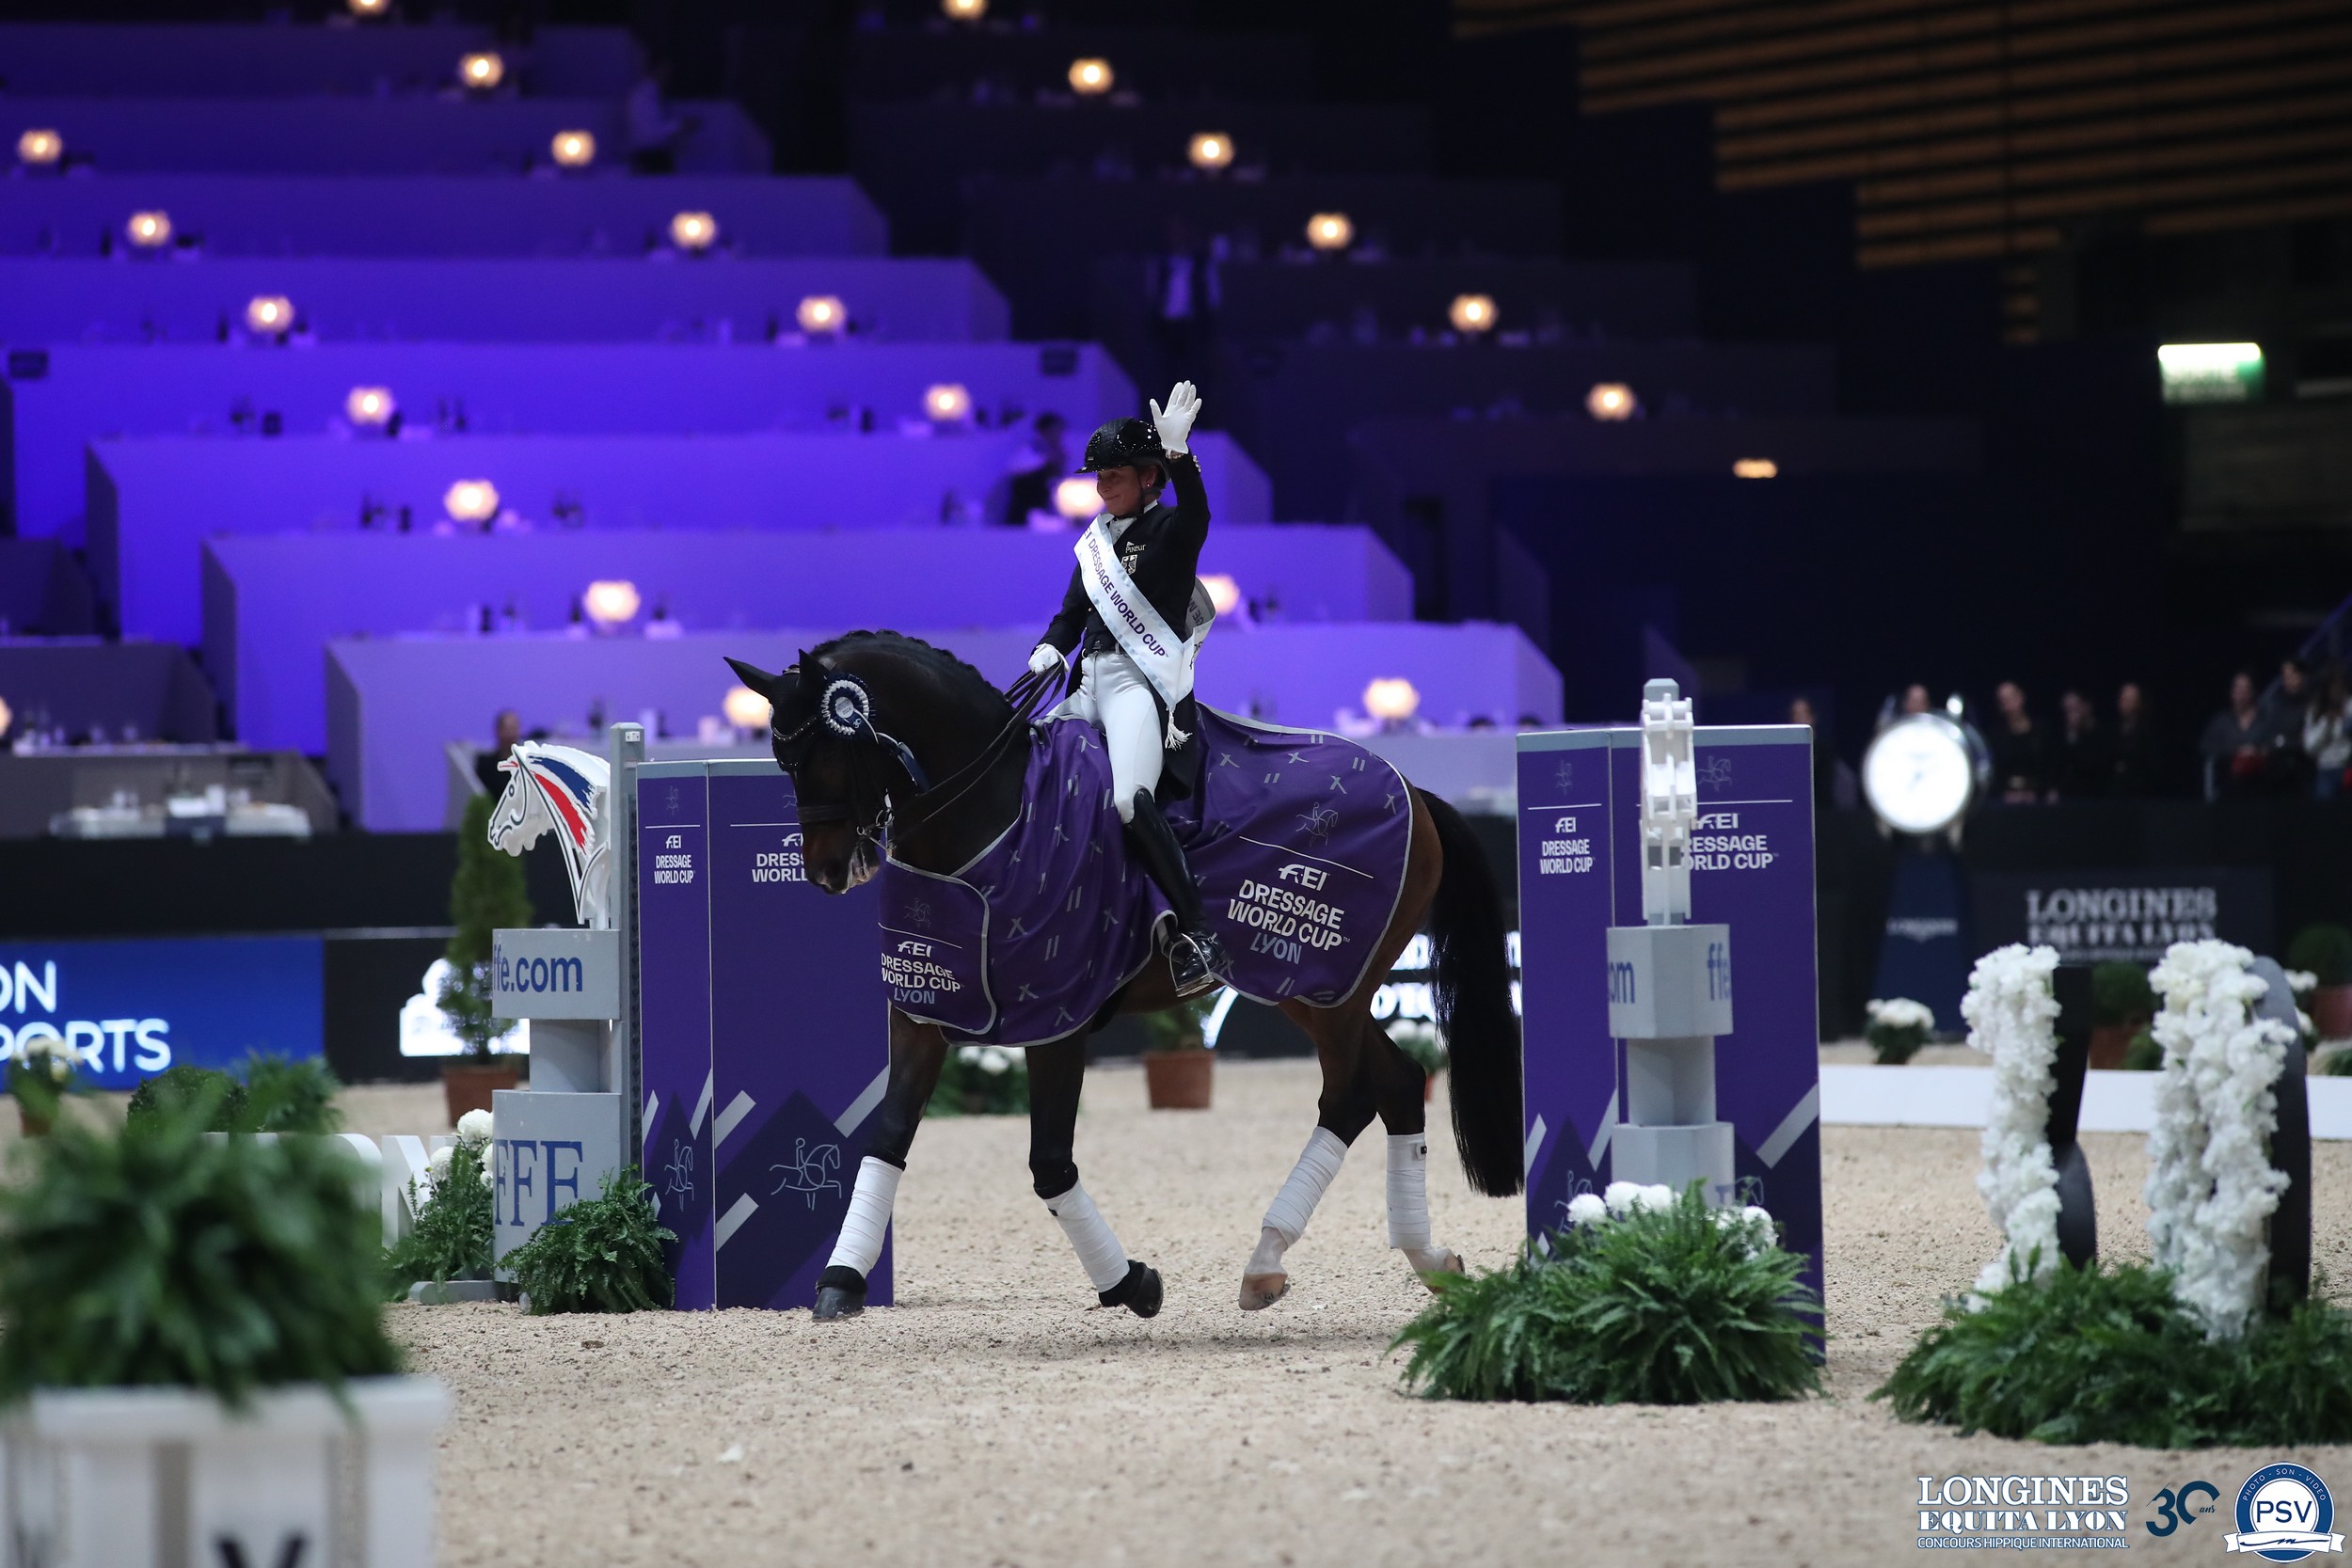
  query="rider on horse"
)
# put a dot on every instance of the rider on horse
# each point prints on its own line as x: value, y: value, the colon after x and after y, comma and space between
x: 1137, y: 560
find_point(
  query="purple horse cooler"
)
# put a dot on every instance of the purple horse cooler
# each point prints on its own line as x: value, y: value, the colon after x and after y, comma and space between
x: 1752, y: 870
x: 764, y: 1031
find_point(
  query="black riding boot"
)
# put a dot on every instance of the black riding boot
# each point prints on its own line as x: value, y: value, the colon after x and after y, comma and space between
x: 1196, y: 955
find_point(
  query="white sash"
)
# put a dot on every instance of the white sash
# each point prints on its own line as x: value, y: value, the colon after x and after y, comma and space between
x: 1164, y: 658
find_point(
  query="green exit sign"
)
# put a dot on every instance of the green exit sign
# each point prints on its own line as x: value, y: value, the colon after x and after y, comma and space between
x: 2211, y: 372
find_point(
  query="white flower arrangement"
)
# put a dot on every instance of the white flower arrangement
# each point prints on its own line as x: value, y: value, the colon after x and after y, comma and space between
x: 1900, y: 1012
x: 2011, y: 1012
x: 475, y: 1131
x: 1620, y: 1199
x: 992, y: 1059
x: 2210, y: 1182
x: 47, y: 1056
x: 2301, y: 980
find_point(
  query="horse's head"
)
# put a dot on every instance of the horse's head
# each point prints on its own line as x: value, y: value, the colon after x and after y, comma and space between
x: 833, y: 773
x: 521, y: 815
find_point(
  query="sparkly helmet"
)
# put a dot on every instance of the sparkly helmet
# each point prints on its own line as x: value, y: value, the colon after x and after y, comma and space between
x: 1122, y: 444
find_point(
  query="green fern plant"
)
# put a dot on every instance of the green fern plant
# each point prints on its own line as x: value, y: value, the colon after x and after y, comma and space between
x: 160, y: 1256
x: 601, y: 1255
x: 2107, y: 1355
x: 453, y: 1232
x: 1664, y: 1305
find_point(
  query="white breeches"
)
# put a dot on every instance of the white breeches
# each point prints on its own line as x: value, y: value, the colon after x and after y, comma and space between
x: 1114, y: 697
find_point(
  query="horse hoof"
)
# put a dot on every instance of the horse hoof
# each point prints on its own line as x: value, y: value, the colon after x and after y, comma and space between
x: 1140, y: 1292
x: 840, y: 1293
x: 1261, y: 1291
x: 1452, y: 1265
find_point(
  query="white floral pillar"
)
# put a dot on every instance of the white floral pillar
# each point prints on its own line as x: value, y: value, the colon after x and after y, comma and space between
x: 2011, y: 1009
x: 2211, y: 1186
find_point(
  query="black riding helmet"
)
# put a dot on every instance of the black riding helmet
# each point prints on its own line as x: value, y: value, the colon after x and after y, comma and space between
x: 1122, y: 444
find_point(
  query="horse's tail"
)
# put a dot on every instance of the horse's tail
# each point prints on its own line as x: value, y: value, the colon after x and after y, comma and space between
x: 1472, y: 970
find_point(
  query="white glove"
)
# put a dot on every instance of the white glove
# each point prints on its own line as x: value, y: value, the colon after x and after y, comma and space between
x: 1174, y: 422
x: 1044, y: 660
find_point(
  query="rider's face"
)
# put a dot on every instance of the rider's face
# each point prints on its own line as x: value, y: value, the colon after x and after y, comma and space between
x: 1122, y: 490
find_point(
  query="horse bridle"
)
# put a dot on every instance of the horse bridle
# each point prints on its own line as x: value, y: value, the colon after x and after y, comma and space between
x: 844, y: 708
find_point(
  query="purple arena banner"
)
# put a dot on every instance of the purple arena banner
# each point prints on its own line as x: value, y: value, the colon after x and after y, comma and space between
x: 1752, y: 870
x: 764, y: 1033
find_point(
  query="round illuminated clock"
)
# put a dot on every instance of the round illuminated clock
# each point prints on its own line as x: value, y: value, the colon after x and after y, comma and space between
x: 1923, y: 773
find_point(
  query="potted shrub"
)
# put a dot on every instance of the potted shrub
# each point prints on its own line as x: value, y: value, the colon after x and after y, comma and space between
x: 488, y: 893
x: 2325, y: 951
x: 189, y: 1339
x: 2122, y: 1004
x: 603, y: 1254
x: 41, y: 1075
x: 982, y: 1081
x: 1176, y: 1063
x: 1897, y: 1029
x: 447, y: 1254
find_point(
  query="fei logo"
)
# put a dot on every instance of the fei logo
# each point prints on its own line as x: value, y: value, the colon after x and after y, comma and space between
x: 2286, y: 1515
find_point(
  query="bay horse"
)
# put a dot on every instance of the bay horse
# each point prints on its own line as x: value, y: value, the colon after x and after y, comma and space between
x: 866, y: 723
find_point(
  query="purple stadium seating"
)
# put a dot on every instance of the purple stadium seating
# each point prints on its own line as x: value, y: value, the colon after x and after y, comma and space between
x: 55, y: 401
x: 432, y: 215
x: 153, y: 500
x: 509, y: 299
x: 272, y: 602
x: 392, y: 708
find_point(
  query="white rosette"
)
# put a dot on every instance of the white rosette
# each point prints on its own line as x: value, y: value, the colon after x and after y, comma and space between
x: 2011, y: 1011
x: 2210, y: 1186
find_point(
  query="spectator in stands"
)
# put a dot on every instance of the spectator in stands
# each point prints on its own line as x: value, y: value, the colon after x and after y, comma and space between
x: 1913, y: 700
x: 2086, y: 754
x: 1040, y: 465
x: 2021, y: 754
x: 2326, y: 739
x: 485, y: 764
x: 1835, y: 786
x: 2286, y: 707
x: 653, y: 131
x: 2137, y: 773
x: 2234, y: 745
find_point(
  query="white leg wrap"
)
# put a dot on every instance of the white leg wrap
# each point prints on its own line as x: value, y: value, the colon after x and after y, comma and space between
x: 1318, y: 1164
x: 1408, y: 1190
x: 1098, y: 1252
x: 868, y: 1219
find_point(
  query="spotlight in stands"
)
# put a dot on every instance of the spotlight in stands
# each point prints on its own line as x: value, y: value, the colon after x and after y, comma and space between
x: 746, y: 709
x: 1330, y: 232
x: 1076, y: 499
x: 947, y: 402
x: 694, y: 230
x: 7, y: 718
x: 1756, y: 468
x: 964, y: 10
x: 1471, y: 314
x: 1211, y: 151
x: 1224, y: 592
x: 1091, y: 78
x: 1611, y: 400
x: 821, y: 314
x: 481, y: 71
x: 148, y: 230
x: 368, y: 8
x: 471, y: 501
x: 574, y: 149
x: 1392, y: 698
x: 269, y: 315
x: 39, y: 148
x: 610, y: 603
x: 370, y: 408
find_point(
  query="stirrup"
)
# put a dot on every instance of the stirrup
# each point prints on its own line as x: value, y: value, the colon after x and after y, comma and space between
x: 1193, y: 959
